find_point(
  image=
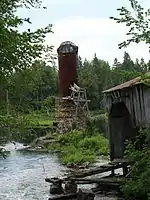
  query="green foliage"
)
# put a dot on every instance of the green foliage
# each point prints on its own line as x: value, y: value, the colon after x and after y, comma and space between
x: 19, y: 49
x: 138, y: 156
x: 37, y: 118
x: 97, y: 144
x: 145, y: 78
x: 97, y: 75
x: 73, y: 136
x: 94, y: 76
x: 137, y: 20
x: 77, y: 147
x: 13, y: 128
x: 29, y: 84
x: 31, y: 88
x: 98, y: 122
x: 72, y: 155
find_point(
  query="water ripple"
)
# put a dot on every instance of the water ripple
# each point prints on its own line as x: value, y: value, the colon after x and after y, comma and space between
x: 22, y: 175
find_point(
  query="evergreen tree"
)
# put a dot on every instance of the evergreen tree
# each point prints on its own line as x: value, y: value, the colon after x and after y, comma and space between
x: 143, y: 65
x: 127, y: 64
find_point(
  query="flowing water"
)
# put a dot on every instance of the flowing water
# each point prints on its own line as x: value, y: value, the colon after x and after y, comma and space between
x: 22, y: 174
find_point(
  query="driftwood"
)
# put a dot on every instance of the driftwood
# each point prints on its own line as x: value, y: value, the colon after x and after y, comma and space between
x: 97, y: 170
x: 56, y: 186
x: 70, y: 187
x: 53, y: 180
x: 105, y: 184
x: 81, y: 195
x: 64, y: 197
x: 85, y: 195
x: 106, y: 180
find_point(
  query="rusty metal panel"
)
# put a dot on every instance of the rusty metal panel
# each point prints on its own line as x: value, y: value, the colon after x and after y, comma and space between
x: 67, y: 60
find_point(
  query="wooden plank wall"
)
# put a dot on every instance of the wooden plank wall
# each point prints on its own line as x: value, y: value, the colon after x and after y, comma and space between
x: 136, y: 99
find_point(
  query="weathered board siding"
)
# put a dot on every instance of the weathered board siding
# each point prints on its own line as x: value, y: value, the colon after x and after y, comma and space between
x: 137, y: 101
x: 129, y: 110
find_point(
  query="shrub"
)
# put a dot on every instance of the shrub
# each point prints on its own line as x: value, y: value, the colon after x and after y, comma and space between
x: 98, y: 144
x: 73, y: 155
x: 138, y: 156
x: 99, y: 123
x: 77, y: 147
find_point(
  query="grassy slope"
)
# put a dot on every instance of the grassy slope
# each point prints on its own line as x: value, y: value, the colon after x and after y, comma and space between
x: 39, y: 118
x: 77, y: 147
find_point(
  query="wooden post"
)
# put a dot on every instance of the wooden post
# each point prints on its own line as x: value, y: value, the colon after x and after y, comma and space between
x: 125, y: 169
x: 112, y: 172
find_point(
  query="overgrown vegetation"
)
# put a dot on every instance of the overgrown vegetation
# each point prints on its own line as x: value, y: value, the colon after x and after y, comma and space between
x: 28, y: 87
x: 19, y: 51
x: 137, y: 151
x: 24, y: 127
x: 78, y: 147
x: 138, y: 156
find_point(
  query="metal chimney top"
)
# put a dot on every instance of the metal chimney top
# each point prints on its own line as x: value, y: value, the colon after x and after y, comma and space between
x: 67, y: 47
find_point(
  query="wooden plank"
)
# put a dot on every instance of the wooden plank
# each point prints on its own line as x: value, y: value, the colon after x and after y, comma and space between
x: 135, y: 108
x: 143, y: 118
x: 138, y: 106
x: 147, y: 105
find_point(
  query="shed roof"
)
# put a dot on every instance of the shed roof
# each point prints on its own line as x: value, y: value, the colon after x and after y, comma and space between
x: 135, y: 81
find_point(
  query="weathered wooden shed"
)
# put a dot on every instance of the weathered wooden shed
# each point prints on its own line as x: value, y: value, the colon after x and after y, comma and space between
x: 128, y: 107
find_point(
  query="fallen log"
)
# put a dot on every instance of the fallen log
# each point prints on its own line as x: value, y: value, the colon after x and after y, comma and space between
x: 107, y: 180
x: 97, y: 170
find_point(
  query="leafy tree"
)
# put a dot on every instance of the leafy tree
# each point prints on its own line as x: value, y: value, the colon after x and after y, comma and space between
x: 31, y: 86
x: 95, y: 75
x: 88, y: 79
x: 138, y: 22
x: 19, y: 49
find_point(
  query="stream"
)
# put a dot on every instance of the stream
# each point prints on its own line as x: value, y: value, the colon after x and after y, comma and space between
x: 22, y: 174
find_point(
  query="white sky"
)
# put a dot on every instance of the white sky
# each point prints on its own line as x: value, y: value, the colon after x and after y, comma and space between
x: 87, y: 24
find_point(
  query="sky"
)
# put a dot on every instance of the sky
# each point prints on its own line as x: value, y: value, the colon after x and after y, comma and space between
x: 87, y: 24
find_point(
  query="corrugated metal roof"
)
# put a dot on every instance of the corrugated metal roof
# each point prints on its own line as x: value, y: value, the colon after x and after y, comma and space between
x: 127, y: 84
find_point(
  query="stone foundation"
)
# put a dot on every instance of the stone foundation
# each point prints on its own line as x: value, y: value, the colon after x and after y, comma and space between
x: 69, y: 115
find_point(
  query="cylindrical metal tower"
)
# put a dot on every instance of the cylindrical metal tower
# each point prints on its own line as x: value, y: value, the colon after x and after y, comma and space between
x: 67, y: 60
